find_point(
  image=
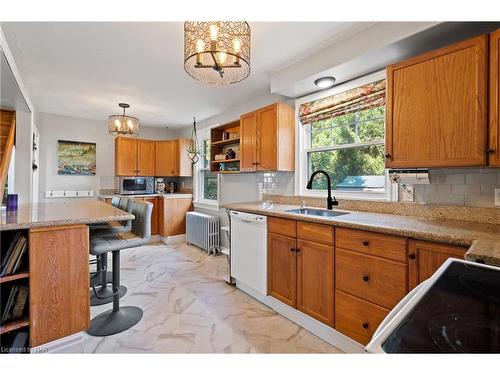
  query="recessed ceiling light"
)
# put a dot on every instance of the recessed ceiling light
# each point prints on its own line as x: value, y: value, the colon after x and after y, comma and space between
x: 324, y: 82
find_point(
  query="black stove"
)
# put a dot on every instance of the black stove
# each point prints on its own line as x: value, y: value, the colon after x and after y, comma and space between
x: 460, y: 313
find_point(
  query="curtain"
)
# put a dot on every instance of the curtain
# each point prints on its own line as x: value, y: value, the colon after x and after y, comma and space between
x: 358, y: 99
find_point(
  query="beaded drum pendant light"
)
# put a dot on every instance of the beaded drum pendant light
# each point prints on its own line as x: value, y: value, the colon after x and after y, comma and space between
x: 217, y: 52
x: 122, y: 124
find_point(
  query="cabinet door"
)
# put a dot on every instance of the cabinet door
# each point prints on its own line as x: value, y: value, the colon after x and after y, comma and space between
x: 267, y: 136
x: 175, y: 157
x: 315, y: 277
x: 58, y: 282
x: 154, y: 215
x: 436, y: 108
x: 125, y: 156
x: 424, y: 258
x: 248, y: 134
x: 146, y: 157
x: 164, y: 158
x: 494, y: 136
x: 173, y: 216
x: 184, y: 165
x: 282, y: 268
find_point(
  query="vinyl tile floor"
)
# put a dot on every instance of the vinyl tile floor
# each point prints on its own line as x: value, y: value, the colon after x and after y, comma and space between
x: 189, y: 308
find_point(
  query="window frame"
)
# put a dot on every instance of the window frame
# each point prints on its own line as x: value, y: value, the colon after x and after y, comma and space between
x: 200, y: 169
x: 303, y: 149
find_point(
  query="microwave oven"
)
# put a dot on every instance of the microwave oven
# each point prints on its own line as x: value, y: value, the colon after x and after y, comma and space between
x: 136, y: 185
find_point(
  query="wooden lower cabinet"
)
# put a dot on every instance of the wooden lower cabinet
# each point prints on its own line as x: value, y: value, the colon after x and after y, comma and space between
x: 58, y: 282
x: 172, y: 215
x: 315, y: 277
x: 357, y: 318
x: 424, y: 258
x: 282, y: 268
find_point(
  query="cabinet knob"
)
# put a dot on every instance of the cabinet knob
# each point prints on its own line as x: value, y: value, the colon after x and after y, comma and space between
x: 411, y: 256
x: 292, y: 249
x: 366, y: 243
x: 366, y: 278
x: 387, y: 156
x: 297, y: 250
x: 365, y: 325
x: 490, y: 151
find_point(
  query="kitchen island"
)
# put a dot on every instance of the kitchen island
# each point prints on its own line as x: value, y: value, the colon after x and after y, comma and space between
x: 55, y: 269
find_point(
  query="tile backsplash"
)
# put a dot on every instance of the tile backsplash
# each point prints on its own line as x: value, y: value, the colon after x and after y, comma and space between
x: 464, y: 187
x: 275, y: 183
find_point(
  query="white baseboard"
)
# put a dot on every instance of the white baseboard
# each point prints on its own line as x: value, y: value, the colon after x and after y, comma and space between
x: 171, y: 240
x: 317, y: 328
x: 69, y: 344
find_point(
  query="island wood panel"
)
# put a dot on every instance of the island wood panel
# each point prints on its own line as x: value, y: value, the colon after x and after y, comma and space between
x: 494, y: 115
x: 146, y: 157
x: 378, y: 280
x: 125, y: 156
x: 424, y: 258
x: 59, y: 282
x: 436, y: 108
x: 315, y: 278
x: 248, y: 141
x: 282, y: 268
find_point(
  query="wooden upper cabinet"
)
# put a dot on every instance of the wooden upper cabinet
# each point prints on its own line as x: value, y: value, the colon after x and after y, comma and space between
x: 494, y: 130
x: 282, y: 268
x: 436, y: 107
x: 146, y: 157
x: 183, y: 165
x: 268, y: 139
x: 125, y: 156
x: 424, y: 258
x: 248, y: 142
x: 172, y: 159
x: 315, y: 277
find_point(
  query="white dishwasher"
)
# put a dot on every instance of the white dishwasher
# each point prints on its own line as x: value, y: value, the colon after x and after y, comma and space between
x: 249, y: 250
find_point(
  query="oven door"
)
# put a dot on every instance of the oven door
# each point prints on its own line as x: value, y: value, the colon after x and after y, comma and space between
x: 136, y: 185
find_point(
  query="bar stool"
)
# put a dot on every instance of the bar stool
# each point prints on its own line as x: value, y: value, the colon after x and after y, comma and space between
x: 119, y: 319
x: 103, y: 277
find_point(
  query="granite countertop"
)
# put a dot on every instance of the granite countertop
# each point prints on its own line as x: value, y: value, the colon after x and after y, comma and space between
x: 165, y: 196
x: 483, y: 239
x: 46, y: 214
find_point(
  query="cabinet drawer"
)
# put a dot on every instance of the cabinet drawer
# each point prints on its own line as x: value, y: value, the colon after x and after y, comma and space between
x: 374, y: 279
x: 284, y: 227
x: 315, y: 232
x: 357, y: 318
x: 381, y: 245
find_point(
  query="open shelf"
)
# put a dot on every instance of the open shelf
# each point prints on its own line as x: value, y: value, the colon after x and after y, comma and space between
x: 16, y: 276
x: 226, y: 142
x: 14, y: 325
x: 225, y: 161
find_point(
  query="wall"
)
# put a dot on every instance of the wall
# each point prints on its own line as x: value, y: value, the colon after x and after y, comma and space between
x: 465, y: 187
x: 55, y: 127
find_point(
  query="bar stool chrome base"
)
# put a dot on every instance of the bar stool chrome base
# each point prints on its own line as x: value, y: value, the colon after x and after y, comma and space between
x: 111, y: 322
x: 105, y: 295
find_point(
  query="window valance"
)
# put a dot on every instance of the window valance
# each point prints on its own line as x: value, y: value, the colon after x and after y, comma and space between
x: 354, y: 100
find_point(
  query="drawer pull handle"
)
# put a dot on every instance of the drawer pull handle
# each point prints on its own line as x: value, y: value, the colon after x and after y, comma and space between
x: 411, y: 256
x: 292, y: 249
x: 365, y: 325
x: 366, y: 278
x: 366, y: 243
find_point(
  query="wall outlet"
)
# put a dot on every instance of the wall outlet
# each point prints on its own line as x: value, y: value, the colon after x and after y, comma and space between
x: 408, y: 193
x: 497, y: 197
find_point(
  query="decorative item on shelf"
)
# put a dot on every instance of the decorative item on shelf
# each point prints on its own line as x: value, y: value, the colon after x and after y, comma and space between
x: 217, y: 52
x: 76, y: 158
x: 235, y: 135
x: 160, y: 186
x: 225, y: 136
x: 230, y: 168
x: 172, y: 187
x: 193, y: 149
x: 230, y: 154
x: 122, y: 124
x: 222, y: 167
x: 11, y: 202
x: 220, y: 157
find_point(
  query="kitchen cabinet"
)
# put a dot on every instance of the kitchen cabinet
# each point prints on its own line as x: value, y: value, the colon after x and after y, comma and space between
x: 424, y: 258
x: 171, y: 158
x: 134, y: 157
x: 436, y: 110
x: 267, y: 138
x: 494, y: 107
x: 301, y: 267
x: 172, y: 215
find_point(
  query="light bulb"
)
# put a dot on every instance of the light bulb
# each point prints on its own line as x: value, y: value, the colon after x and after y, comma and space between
x: 118, y: 124
x: 214, y: 30
x: 236, y: 45
x: 200, y: 45
x: 222, y: 57
x: 130, y: 124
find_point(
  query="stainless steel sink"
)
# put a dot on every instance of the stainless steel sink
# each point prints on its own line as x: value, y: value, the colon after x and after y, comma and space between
x: 315, y: 212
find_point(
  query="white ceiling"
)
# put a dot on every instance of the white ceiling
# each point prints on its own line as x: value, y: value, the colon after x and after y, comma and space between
x: 85, y: 69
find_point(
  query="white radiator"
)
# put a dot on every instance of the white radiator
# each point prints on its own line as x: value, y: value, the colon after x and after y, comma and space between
x: 203, y: 231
